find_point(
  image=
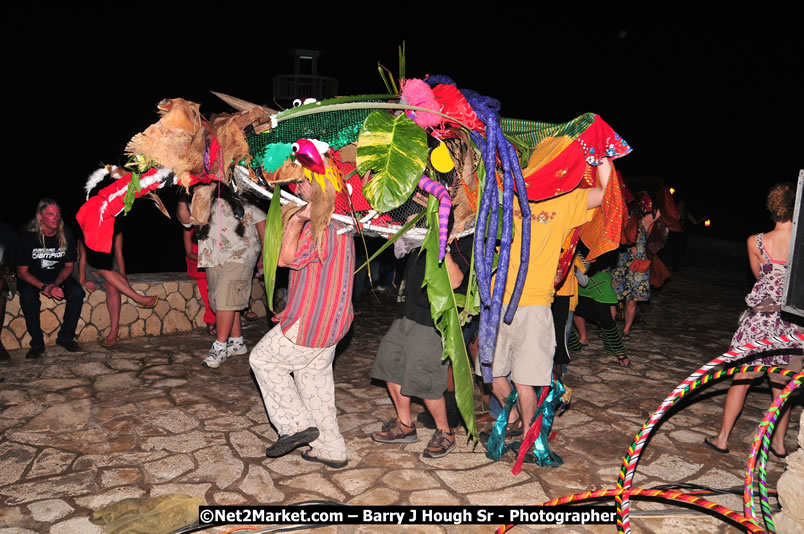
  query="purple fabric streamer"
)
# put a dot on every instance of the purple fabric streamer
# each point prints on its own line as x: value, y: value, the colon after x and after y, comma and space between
x: 487, y: 110
x: 524, y: 256
x: 444, y: 207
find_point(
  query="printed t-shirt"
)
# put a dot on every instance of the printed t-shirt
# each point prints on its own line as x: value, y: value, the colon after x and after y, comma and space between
x: 551, y: 221
x: 45, y: 262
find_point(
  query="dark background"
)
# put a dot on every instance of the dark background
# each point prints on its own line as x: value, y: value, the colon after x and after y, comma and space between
x: 711, y: 107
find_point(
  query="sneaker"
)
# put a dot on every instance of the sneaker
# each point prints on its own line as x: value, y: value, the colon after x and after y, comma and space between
x: 395, y: 431
x: 236, y: 347
x: 216, y: 357
x: 441, y: 444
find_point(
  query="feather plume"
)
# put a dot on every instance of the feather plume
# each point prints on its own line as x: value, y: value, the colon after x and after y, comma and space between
x: 94, y: 179
x: 417, y: 93
x: 159, y: 204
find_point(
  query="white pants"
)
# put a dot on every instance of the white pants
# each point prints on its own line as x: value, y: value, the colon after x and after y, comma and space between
x: 303, y: 400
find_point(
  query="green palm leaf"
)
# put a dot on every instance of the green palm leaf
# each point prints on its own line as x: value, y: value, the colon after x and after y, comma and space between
x: 271, y: 246
x: 445, y: 316
x: 394, y: 149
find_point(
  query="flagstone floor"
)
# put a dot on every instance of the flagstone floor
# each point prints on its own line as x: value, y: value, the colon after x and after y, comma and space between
x: 79, y: 431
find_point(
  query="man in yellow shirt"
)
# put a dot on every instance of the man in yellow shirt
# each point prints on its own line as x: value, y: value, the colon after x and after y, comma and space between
x: 525, y: 347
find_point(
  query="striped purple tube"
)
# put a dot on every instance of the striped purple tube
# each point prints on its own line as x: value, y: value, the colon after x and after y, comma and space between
x: 444, y: 207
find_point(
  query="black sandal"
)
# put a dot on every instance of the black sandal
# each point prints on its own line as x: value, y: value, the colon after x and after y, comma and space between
x: 334, y: 464
x: 624, y: 360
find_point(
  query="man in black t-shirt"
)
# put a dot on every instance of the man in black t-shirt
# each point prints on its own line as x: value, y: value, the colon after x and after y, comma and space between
x: 45, y: 255
x: 409, y: 357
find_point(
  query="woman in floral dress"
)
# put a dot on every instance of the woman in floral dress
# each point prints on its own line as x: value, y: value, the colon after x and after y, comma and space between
x: 767, y: 254
x: 631, y: 277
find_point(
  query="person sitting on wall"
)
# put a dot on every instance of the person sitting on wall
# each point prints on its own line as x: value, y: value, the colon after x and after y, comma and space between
x: 45, y: 256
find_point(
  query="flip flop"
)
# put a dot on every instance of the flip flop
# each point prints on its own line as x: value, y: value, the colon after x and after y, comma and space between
x: 626, y: 336
x: 624, y: 360
x: 779, y: 456
x: 250, y: 316
x: 149, y: 306
x: 334, y: 464
x: 107, y: 345
x: 718, y: 449
x: 211, y: 329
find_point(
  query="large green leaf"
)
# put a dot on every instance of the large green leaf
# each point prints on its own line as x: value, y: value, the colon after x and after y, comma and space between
x: 444, y: 311
x: 271, y: 246
x: 394, y: 149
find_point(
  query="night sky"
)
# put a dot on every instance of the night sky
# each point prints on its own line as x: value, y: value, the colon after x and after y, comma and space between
x: 711, y: 108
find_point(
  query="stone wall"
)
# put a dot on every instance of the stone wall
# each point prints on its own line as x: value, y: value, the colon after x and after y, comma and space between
x: 180, y: 309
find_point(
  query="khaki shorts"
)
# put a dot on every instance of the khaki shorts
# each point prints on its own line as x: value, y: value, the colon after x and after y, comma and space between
x: 794, y: 365
x: 229, y: 286
x: 525, y: 347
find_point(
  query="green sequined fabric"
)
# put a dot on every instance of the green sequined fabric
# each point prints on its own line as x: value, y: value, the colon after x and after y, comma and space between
x: 337, y: 128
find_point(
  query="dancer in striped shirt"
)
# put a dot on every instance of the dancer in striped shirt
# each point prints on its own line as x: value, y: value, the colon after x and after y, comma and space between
x: 318, y: 315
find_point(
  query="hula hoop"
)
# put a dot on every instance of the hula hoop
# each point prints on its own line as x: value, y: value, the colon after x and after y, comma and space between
x: 762, y: 439
x: 672, y: 495
x: 632, y: 457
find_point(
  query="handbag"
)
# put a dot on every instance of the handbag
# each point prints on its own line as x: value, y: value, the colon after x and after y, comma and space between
x: 640, y: 266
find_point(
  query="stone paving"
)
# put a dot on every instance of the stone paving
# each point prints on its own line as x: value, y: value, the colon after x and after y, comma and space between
x: 79, y: 431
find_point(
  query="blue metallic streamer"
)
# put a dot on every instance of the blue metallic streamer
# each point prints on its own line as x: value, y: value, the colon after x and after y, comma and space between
x: 496, y: 444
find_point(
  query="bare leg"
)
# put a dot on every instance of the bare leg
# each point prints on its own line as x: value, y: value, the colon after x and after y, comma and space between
x: 630, y: 315
x: 777, y: 441
x: 228, y: 324
x: 473, y: 356
x: 438, y: 409
x: 527, y: 402
x: 501, y: 388
x: 113, y: 305
x: 120, y: 282
x: 402, y: 404
x: 735, y: 399
x: 580, y: 324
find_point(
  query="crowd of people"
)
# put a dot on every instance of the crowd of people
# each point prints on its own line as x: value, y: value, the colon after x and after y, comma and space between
x: 293, y: 361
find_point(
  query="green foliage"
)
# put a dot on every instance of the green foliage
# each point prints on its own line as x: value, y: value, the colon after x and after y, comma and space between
x: 443, y: 308
x: 271, y: 246
x: 394, y: 149
x: 131, y: 192
x: 402, y: 62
